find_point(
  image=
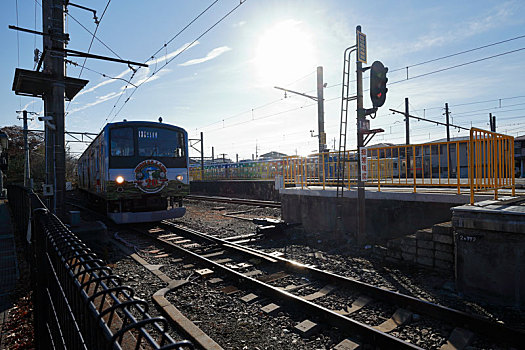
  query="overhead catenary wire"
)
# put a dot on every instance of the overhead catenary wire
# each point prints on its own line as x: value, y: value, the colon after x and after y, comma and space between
x: 179, y: 53
x: 93, y: 37
x: 156, y: 52
x: 444, y: 57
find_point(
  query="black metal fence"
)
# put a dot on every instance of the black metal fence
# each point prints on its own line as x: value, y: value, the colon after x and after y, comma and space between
x: 79, y: 303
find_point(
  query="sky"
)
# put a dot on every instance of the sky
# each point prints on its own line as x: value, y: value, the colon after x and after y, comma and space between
x: 219, y: 78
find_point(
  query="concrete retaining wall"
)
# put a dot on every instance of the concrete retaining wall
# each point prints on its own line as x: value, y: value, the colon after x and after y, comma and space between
x: 490, y: 252
x: 388, y: 215
x: 431, y: 248
x: 249, y: 189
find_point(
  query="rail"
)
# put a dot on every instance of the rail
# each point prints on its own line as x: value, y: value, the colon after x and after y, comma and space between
x: 79, y: 303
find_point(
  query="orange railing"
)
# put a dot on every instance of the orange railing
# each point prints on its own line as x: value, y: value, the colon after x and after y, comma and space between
x: 435, y: 164
x: 491, y: 163
x: 490, y: 166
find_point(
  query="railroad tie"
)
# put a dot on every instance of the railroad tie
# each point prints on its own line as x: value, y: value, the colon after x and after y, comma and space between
x: 324, y: 291
x: 459, y: 339
x: 399, y: 318
x: 358, y: 304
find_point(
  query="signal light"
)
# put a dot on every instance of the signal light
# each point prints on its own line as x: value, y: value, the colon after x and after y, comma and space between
x: 378, y: 82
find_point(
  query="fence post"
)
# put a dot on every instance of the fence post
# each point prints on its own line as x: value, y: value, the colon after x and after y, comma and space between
x: 39, y: 277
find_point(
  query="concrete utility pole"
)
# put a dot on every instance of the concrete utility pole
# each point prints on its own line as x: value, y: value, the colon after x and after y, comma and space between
x: 320, y: 109
x: 202, y: 156
x: 361, y: 117
x: 53, y: 24
x: 27, y: 172
x: 447, y: 114
x: 407, y: 123
x: 492, y: 121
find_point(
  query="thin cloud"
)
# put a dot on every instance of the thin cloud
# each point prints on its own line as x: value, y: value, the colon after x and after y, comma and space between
x: 99, y: 100
x: 494, y: 19
x: 239, y: 24
x: 210, y: 56
x: 144, y: 71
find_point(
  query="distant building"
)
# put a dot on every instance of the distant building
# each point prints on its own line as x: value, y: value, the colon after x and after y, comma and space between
x: 519, y: 155
x: 272, y: 155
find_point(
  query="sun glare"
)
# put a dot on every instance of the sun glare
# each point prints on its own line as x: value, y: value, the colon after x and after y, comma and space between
x: 284, y: 53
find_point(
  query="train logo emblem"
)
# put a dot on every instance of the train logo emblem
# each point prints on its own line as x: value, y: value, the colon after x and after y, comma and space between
x: 151, y: 176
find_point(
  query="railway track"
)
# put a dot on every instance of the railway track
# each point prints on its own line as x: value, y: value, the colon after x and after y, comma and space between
x: 290, y: 285
x: 256, y: 202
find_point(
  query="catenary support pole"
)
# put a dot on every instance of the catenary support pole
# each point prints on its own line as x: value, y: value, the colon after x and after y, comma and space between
x: 202, y: 155
x: 361, y: 215
x: 407, y: 122
x: 53, y: 23
x: 447, y: 114
x: 320, y: 110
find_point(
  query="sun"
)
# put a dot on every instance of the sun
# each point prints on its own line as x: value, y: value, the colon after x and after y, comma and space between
x: 284, y: 53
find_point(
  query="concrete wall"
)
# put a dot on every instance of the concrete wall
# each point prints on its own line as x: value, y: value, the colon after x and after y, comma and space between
x: 430, y: 247
x: 490, y: 253
x: 388, y: 215
x: 250, y: 189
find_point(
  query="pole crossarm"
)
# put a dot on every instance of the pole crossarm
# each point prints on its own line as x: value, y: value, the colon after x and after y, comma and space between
x: 297, y: 93
x: 58, y: 36
x: 428, y: 120
x: 75, y: 53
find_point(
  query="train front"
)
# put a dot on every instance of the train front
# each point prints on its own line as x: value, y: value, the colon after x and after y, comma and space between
x: 147, y: 175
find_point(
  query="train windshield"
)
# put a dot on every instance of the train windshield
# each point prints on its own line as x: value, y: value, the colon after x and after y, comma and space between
x: 122, y: 142
x: 159, y: 142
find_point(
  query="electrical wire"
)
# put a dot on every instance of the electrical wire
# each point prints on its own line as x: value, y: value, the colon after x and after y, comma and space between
x: 459, y: 53
x: 93, y: 34
x: 178, y: 54
x: 93, y: 37
x: 152, y: 56
x: 444, y: 57
x: 458, y: 65
x: 97, y: 72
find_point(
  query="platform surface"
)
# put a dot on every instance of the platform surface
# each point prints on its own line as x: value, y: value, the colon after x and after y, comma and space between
x: 8, y: 263
x: 423, y: 194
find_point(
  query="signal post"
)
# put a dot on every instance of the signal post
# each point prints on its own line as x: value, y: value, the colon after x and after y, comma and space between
x: 378, y: 96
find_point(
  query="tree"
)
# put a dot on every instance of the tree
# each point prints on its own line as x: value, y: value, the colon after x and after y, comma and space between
x: 15, y: 172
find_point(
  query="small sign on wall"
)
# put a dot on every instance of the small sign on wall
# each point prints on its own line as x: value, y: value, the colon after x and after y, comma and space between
x: 363, y: 161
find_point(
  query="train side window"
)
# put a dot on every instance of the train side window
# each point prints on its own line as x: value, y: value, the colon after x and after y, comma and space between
x: 122, y: 142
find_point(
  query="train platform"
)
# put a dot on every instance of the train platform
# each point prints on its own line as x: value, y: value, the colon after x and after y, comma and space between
x: 8, y: 264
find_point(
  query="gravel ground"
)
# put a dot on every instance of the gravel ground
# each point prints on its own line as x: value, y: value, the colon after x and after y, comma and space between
x: 434, y: 286
x: 238, y: 325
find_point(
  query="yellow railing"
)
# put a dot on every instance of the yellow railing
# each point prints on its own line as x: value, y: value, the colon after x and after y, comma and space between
x: 435, y: 164
x: 491, y: 163
x: 490, y: 166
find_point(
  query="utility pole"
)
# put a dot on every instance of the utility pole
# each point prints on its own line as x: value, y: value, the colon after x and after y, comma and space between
x: 492, y: 121
x: 27, y: 172
x: 212, y: 154
x: 407, y: 123
x: 53, y: 24
x: 447, y: 114
x: 361, y: 117
x: 202, y: 156
x: 320, y: 109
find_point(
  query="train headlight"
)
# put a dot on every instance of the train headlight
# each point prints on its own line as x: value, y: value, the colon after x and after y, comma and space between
x: 119, y: 179
x: 180, y: 177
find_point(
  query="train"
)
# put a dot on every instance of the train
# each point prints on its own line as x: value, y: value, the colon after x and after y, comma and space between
x: 137, y: 171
